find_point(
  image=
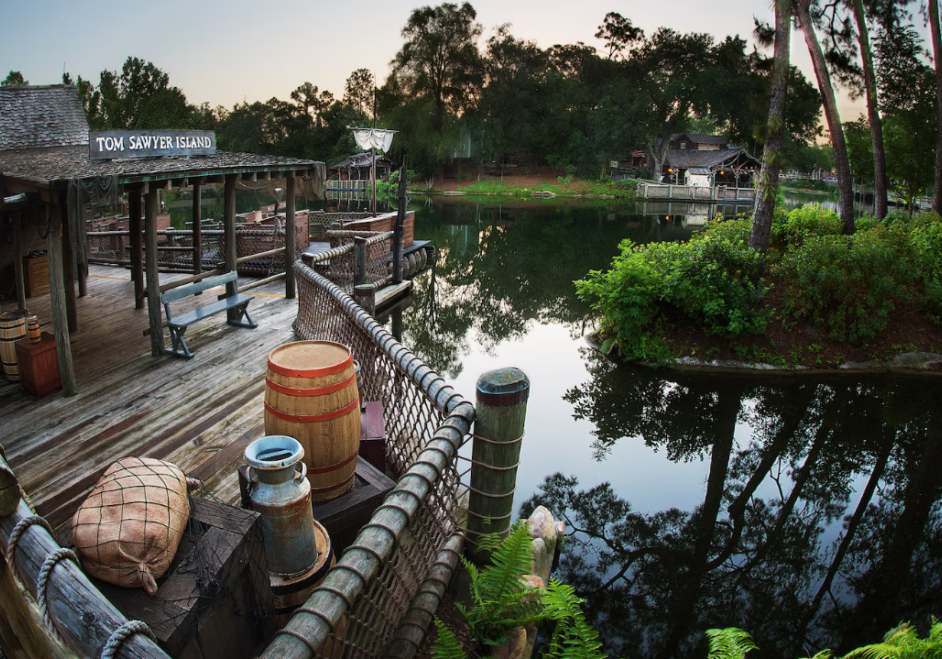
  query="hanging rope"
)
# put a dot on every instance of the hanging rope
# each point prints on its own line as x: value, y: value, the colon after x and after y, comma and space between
x: 18, y: 530
x: 42, y: 580
x: 122, y: 634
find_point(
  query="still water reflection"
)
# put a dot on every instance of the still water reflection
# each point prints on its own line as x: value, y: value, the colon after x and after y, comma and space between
x: 803, y: 509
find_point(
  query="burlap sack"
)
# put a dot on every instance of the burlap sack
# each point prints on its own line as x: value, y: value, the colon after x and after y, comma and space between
x: 128, y: 528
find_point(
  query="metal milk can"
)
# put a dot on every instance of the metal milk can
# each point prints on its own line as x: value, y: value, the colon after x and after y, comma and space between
x: 281, y: 493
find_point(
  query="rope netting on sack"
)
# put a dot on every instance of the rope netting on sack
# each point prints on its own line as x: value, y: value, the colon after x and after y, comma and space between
x: 370, y: 599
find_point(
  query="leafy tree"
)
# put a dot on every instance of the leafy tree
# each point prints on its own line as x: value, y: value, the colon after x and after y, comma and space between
x: 312, y: 101
x: 440, y: 59
x: 139, y: 96
x: 14, y: 79
x: 358, y: 92
x: 932, y: 16
x: 619, y: 34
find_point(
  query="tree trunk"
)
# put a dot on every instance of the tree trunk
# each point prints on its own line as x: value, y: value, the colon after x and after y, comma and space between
x: 771, y: 155
x: 846, y: 199
x: 876, y: 123
x: 937, y: 56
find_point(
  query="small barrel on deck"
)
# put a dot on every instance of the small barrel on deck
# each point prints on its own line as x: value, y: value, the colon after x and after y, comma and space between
x: 311, y: 395
x: 12, y: 329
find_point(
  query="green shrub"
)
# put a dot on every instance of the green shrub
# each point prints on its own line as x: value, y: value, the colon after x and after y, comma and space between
x: 850, y: 284
x: 807, y: 221
x: 926, y: 241
x: 713, y: 279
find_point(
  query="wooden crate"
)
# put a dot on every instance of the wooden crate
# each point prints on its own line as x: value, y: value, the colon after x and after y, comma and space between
x: 36, y: 275
x: 39, y: 365
x: 215, y: 602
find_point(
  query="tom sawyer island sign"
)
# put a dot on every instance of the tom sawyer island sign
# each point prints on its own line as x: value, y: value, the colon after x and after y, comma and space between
x: 119, y: 144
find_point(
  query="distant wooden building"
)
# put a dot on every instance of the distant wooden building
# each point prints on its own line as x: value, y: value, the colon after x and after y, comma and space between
x: 47, y: 174
x: 707, y: 161
x: 358, y: 167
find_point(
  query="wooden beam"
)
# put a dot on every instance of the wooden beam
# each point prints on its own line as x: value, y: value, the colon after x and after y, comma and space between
x: 229, y: 238
x: 68, y: 267
x: 18, y: 262
x: 137, y: 245
x: 291, y: 249
x: 57, y: 303
x: 261, y: 255
x: 250, y: 176
x: 153, y: 278
x: 176, y: 283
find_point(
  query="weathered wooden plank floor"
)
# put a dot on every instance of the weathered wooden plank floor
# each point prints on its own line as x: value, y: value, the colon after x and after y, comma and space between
x: 199, y: 414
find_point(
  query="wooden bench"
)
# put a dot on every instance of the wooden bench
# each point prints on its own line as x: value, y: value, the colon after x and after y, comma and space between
x: 178, y: 325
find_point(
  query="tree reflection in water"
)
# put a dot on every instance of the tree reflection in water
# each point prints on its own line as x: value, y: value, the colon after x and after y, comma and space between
x: 819, y: 527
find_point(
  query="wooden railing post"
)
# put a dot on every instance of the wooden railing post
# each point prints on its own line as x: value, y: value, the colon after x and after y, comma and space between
x: 400, y: 220
x: 359, y: 260
x: 365, y: 296
x: 501, y: 410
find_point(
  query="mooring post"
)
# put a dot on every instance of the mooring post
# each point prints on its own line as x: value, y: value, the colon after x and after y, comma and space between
x: 501, y: 410
x: 359, y: 260
x: 398, y: 227
x: 365, y: 296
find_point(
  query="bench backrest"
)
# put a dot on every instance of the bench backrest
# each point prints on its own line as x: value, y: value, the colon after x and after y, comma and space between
x: 190, y: 289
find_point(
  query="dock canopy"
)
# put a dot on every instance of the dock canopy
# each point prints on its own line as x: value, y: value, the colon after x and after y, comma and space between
x: 45, y: 155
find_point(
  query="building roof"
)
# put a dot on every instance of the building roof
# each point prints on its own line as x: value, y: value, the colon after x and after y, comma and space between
x: 41, y: 116
x: 689, y: 158
x: 698, y: 138
x: 67, y: 162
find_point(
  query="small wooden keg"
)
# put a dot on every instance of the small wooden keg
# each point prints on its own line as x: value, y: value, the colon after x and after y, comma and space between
x: 12, y: 329
x: 32, y: 329
x: 311, y: 395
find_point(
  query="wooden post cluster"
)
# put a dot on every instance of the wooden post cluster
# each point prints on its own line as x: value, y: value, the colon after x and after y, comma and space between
x: 18, y: 261
x: 197, y: 232
x: 229, y: 236
x: 365, y: 296
x: 135, y: 228
x: 501, y: 410
x: 153, y: 277
x: 400, y: 220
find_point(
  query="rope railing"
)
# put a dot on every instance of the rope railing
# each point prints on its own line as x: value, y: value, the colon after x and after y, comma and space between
x: 378, y: 595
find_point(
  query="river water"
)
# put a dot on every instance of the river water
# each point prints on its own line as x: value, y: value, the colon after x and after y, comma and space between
x: 803, y: 509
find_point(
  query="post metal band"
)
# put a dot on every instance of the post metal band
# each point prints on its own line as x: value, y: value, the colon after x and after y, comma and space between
x: 320, y: 391
x: 313, y: 418
x: 311, y: 372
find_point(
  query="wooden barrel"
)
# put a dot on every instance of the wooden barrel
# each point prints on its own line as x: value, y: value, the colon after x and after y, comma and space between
x: 12, y: 329
x: 311, y: 395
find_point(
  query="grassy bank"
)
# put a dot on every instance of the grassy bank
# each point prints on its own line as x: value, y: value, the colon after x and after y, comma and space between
x: 817, y: 299
x: 525, y: 187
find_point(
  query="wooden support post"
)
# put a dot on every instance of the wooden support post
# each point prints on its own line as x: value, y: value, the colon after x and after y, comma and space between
x: 359, y: 260
x: 501, y: 410
x: 153, y: 278
x: 57, y: 300
x: 400, y: 221
x: 291, y: 248
x: 81, y: 243
x: 365, y: 296
x: 229, y: 235
x: 68, y: 268
x: 18, y: 262
x: 197, y: 232
x: 137, y: 245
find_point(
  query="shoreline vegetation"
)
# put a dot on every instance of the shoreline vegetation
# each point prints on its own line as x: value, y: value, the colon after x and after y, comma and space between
x: 535, y: 187
x: 816, y: 301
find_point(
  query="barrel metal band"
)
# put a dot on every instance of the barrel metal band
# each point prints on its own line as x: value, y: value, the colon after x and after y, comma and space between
x: 320, y: 391
x: 333, y: 467
x: 313, y: 418
x: 329, y: 488
x: 311, y: 372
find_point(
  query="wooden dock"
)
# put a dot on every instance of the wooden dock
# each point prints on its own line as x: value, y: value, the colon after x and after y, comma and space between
x: 199, y: 414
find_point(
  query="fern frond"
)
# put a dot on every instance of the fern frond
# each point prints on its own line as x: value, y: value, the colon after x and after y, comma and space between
x: 729, y: 643
x: 511, y: 561
x: 446, y: 645
x: 903, y: 642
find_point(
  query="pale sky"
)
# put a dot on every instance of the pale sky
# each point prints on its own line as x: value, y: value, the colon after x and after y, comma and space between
x: 226, y: 52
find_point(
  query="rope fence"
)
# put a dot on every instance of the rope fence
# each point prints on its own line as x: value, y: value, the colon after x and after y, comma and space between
x: 375, y: 602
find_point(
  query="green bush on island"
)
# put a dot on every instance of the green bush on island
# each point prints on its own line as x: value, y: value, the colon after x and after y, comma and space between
x: 847, y: 286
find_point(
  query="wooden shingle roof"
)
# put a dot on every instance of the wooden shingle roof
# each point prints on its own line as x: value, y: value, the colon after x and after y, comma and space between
x: 41, y: 116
